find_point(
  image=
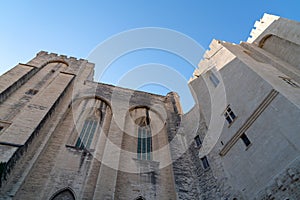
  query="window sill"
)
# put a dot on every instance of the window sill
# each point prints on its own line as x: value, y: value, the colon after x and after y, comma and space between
x: 78, y: 149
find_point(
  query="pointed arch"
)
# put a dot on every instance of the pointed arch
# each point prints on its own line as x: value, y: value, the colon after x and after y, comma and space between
x: 141, y: 118
x: 140, y: 198
x: 64, y: 194
x: 91, y: 118
x: 79, y: 99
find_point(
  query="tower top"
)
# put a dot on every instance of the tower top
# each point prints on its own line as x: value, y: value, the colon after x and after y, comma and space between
x: 261, y: 25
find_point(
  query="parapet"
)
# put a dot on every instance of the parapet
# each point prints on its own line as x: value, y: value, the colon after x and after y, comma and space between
x: 261, y: 25
x: 63, y: 57
x: 216, y: 57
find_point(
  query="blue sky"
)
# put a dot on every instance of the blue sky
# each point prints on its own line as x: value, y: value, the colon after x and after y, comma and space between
x: 75, y: 28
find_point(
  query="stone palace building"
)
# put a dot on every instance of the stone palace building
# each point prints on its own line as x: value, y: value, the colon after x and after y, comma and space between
x: 64, y: 136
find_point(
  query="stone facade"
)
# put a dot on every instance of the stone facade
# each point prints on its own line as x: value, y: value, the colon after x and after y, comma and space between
x: 248, y: 95
x: 64, y: 136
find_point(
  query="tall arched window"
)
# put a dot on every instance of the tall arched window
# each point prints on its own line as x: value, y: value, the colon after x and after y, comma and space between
x: 144, y: 147
x: 144, y: 144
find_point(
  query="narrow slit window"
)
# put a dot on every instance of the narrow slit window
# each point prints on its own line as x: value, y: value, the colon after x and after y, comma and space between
x: 205, y: 163
x: 229, y: 115
x: 198, y: 142
x: 245, y: 139
x: 213, y: 78
x: 1, y: 128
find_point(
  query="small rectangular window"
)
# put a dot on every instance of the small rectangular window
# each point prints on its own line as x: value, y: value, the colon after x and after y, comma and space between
x: 205, y: 163
x: 229, y: 115
x: 198, y: 142
x: 1, y: 128
x: 245, y: 139
x: 214, y: 79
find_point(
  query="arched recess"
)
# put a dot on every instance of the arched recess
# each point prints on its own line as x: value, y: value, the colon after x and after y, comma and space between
x: 46, y: 74
x: 64, y: 194
x: 79, y: 99
x: 143, y: 127
x: 263, y: 40
x: 282, y: 48
x: 31, y: 85
x: 91, y: 117
x: 55, y: 61
x: 158, y: 115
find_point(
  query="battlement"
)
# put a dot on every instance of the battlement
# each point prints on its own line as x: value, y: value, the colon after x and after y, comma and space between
x: 216, y: 57
x: 63, y: 57
x: 261, y: 25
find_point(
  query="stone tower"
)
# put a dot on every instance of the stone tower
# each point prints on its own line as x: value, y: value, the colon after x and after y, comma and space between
x: 248, y: 97
x: 65, y: 136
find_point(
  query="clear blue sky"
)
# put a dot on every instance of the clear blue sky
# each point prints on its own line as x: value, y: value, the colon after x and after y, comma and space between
x: 75, y: 28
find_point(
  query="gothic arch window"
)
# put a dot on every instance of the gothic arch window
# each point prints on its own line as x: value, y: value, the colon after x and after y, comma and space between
x: 64, y: 194
x: 90, y: 116
x: 144, y: 147
x: 144, y: 143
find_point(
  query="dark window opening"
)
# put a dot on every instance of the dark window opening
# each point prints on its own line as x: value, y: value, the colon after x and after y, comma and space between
x: 198, y: 141
x: 31, y: 92
x: 205, y: 163
x: 229, y: 115
x: 245, y: 139
x: 1, y: 128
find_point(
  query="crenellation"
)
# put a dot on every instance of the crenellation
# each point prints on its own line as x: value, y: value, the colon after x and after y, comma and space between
x: 261, y: 25
x: 41, y: 53
x: 214, y: 47
x: 64, y: 57
x: 83, y: 60
x: 53, y: 54
x: 72, y: 58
